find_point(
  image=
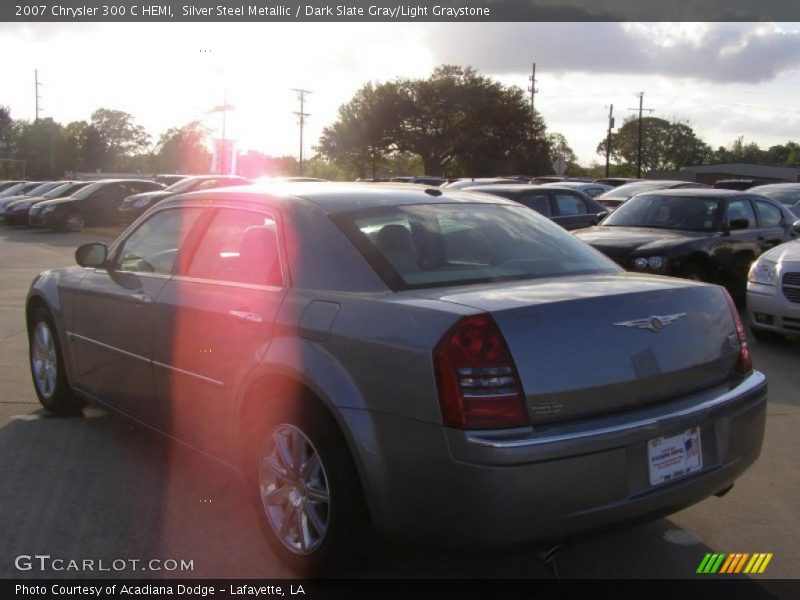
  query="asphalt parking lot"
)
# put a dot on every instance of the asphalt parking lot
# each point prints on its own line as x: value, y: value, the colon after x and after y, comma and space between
x: 97, y: 487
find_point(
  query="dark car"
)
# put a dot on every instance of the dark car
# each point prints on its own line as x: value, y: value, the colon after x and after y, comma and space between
x: 737, y: 184
x: 169, y: 179
x: 469, y: 182
x: 96, y: 204
x: 787, y: 194
x: 135, y: 205
x: 706, y: 235
x: 570, y: 208
x: 615, y: 181
x: 425, y: 366
x: 17, y: 212
x: 620, y: 194
x: 419, y: 179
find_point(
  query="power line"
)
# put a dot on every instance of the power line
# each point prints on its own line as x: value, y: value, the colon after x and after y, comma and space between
x: 640, y: 109
x: 301, y: 94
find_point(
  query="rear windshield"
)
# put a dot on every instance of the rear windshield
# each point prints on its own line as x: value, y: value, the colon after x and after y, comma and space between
x: 431, y: 245
x: 688, y: 213
x: 785, y: 197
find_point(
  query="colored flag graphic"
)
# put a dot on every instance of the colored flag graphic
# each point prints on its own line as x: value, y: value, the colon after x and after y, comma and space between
x: 737, y: 562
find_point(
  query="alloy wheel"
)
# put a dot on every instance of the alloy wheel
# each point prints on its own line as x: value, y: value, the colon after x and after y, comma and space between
x: 44, y: 361
x: 294, y: 489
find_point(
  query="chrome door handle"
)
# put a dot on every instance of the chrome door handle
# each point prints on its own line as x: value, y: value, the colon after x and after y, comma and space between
x: 141, y: 298
x: 245, y: 315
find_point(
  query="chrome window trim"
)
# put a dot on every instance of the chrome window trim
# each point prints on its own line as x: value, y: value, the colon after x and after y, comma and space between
x: 248, y: 286
x: 750, y: 384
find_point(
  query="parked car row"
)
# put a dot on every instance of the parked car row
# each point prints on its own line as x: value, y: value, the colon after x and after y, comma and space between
x: 71, y: 205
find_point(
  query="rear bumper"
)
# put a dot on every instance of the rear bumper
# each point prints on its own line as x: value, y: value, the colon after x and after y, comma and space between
x: 521, y: 487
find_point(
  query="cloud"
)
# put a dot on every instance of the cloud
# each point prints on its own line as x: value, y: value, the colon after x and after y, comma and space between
x: 715, y: 52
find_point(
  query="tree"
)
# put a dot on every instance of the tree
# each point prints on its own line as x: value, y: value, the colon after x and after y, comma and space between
x: 366, y: 131
x: 665, y: 145
x: 182, y: 150
x: 6, y: 126
x: 738, y: 151
x: 119, y: 134
x: 457, y: 121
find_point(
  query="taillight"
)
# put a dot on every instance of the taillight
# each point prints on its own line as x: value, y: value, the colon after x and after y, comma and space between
x: 478, y: 384
x: 745, y: 363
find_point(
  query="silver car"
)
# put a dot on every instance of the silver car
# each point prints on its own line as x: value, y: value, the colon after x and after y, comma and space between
x: 773, y: 293
x: 447, y: 367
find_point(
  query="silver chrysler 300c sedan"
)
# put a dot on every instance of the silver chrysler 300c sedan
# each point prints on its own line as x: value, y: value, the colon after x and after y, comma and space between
x: 439, y: 366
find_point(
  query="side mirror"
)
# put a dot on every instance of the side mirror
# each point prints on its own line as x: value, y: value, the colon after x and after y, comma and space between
x: 738, y: 224
x: 796, y: 227
x: 92, y: 255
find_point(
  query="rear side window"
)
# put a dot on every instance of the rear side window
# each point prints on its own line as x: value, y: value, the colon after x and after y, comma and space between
x: 768, y: 215
x: 569, y: 205
x: 430, y: 245
x: 239, y: 246
x: 153, y: 247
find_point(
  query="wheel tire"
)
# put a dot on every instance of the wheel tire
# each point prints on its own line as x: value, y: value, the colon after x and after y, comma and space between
x: 47, y: 367
x: 344, y: 517
x: 764, y: 336
x: 74, y: 222
x: 694, y: 271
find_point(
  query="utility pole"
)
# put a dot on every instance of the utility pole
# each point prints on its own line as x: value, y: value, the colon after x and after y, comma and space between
x: 225, y: 161
x: 608, y: 139
x: 301, y: 94
x: 36, y: 92
x: 532, y: 87
x: 639, y: 160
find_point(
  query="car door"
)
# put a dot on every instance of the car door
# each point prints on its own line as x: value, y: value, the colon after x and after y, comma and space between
x: 213, y: 324
x: 571, y: 211
x: 740, y: 246
x: 771, y: 226
x: 100, y: 207
x: 113, y: 314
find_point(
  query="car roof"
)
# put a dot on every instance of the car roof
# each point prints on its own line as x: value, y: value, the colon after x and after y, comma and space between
x: 776, y: 186
x: 700, y: 192
x: 335, y: 198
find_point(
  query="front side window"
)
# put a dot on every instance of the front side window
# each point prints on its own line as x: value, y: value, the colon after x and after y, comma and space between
x: 741, y: 209
x: 154, y: 246
x: 239, y: 246
x: 430, y: 245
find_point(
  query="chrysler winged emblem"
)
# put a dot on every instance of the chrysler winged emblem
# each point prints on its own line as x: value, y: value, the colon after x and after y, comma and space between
x: 655, y: 323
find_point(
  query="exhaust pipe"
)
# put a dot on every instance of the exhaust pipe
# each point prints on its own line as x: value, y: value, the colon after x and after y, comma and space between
x: 724, y: 491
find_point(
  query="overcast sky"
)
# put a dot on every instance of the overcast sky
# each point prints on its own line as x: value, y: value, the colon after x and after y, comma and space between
x: 725, y: 79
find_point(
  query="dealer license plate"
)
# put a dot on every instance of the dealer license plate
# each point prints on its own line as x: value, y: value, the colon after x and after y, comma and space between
x: 672, y: 457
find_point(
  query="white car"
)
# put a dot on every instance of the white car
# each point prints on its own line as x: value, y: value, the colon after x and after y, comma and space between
x: 773, y: 293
